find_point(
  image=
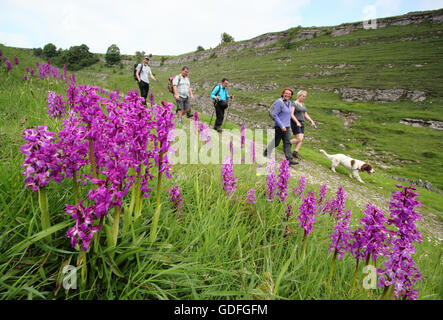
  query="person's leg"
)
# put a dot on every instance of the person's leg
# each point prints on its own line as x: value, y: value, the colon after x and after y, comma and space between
x: 186, y: 105
x: 179, y: 109
x: 145, y: 91
x: 224, y: 106
x: 298, y: 141
x: 142, y: 91
x: 275, y: 142
x: 286, y: 136
x: 219, y: 115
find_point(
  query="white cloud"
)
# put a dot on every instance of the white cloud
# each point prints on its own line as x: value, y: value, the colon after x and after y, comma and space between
x: 388, y: 8
x: 15, y: 40
x: 158, y: 27
x: 430, y: 4
x: 164, y: 27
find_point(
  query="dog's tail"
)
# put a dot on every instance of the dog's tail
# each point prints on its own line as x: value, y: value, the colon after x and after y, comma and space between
x: 326, y: 155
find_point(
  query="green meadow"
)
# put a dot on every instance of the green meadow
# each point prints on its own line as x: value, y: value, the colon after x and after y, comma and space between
x: 220, y: 248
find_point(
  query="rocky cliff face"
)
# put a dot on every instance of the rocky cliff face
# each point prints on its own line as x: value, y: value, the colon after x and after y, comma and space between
x: 380, y: 95
x: 265, y: 40
x: 410, y: 18
x: 221, y: 50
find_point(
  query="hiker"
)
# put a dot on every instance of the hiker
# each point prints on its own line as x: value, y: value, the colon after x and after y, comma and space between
x: 298, y: 127
x: 182, y: 92
x: 143, y: 73
x: 282, y: 123
x: 220, y: 96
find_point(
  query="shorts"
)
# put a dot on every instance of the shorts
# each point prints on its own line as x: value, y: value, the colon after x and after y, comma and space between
x: 297, y: 130
x: 183, y: 104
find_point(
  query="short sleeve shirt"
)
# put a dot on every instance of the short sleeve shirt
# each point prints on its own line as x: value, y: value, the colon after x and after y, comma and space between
x: 144, y: 73
x: 183, y: 86
x: 299, y: 111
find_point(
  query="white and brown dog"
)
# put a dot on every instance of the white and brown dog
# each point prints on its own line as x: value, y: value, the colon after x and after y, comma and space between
x: 352, y: 165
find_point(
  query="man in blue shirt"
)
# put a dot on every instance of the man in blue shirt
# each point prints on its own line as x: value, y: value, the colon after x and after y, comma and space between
x: 220, y: 96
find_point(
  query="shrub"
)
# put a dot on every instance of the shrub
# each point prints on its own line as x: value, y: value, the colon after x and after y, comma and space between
x: 38, y: 52
x: 49, y: 51
x: 113, y: 56
x: 76, y: 57
x: 226, y: 38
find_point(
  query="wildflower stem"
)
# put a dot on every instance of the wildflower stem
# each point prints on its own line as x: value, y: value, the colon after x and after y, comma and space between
x: 92, y: 159
x: 366, y: 264
x: 355, y: 277
x: 74, y: 180
x: 97, y: 235
x: 44, y: 208
x: 138, y: 198
x: 116, y: 224
x: 157, y: 203
x: 304, y: 244
x: 134, y: 190
x: 332, y: 266
x: 374, y: 263
x: 388, y: 293
x: 367, y: 259
x: 84, y: 271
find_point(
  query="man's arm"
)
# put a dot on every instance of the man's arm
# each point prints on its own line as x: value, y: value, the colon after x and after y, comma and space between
x: 137, y: 74
x: 213, y: 96
x: 175, y: 92
x: 174, y: 86
x: 152, y: 76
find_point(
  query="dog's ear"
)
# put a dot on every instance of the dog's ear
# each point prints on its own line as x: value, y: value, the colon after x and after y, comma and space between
x: 352, y: 163
x: 366, y: 167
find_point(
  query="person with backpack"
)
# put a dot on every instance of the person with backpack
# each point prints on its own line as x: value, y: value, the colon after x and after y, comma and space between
x: 182, y: 92
x: 282, y: 123
x: 142, y: 74
x: 298, y: 117
x: 220, y: 97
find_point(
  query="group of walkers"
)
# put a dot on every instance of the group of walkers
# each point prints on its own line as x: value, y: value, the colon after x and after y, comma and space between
x: 291, y: 115
x: 288, y: 114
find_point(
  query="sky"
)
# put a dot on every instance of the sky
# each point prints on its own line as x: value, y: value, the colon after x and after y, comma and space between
x: 171, y: 27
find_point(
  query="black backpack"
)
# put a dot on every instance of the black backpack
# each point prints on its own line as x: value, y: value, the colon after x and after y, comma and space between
x: 135, y: 70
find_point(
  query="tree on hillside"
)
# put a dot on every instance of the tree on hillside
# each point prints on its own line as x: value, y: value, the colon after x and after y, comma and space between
x: 113, y: 56
x: 77, y: 57
x: 49, y: 51
x: 139, y: 55
x: 226, y: 38
x: 37, y: 52
x: 200, y: 48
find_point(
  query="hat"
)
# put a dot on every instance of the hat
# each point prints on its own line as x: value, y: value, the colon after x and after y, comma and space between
x: 147, y: 58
